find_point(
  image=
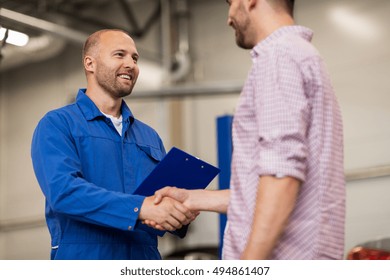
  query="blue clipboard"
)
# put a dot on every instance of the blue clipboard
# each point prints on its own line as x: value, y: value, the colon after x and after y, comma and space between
x: 178, y: 169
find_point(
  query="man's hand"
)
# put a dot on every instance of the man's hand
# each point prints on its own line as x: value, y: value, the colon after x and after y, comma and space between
x: 194, y: 200
x: 197, y: 200
x: 177, y: 194
x: 181, y: 195
x: 169, y: 214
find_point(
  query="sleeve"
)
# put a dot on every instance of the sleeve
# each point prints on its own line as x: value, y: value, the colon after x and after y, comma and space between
x: 58, y: 170
x: 282, y: 115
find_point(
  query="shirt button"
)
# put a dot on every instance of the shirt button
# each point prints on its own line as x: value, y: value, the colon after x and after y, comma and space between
x: 136, y: 209
x: 129, y: 228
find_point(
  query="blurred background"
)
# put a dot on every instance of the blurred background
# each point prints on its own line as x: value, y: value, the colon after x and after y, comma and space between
x: 191, y: 72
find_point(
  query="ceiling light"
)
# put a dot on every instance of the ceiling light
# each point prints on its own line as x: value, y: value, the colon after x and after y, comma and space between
x: 14, y: 37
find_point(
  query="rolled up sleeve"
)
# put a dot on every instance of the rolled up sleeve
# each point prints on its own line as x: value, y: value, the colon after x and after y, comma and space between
x: 284, y: 121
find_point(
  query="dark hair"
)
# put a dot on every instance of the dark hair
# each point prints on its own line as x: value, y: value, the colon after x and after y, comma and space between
x: 287, y: 5
x: 290, y: 6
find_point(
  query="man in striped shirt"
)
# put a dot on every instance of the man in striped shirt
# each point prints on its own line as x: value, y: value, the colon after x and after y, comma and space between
x: 287, y: 191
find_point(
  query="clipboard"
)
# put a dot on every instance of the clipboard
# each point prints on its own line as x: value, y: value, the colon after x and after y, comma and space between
x: 178, y: 169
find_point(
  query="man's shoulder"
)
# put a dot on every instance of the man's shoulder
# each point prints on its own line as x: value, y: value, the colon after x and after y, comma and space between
x: 296, y: 47
x: 60, y: 114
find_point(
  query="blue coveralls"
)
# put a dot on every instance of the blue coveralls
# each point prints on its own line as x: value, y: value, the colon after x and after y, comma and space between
x: 88, y: 173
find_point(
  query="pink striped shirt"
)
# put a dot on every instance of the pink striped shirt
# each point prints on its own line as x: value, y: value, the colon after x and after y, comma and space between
x: 288, y: 123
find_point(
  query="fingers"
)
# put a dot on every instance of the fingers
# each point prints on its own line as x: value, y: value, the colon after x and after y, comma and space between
x: 165, y: 226
x: 154, y: 225
x: 161, y: 193
x: 168, y: 214
x: 158, y: 227
x: 178, y: 213
x: 178, y: 194
x: 157, y: 197
x: 185, y: 216
x: 175, y: 215
x: 149, y: 223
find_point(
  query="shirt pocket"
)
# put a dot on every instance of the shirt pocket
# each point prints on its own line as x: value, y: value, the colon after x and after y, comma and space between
x: 154, y: 154
x: 142, y: 161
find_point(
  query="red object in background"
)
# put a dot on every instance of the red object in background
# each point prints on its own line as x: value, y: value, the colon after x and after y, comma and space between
x: 374, y: 250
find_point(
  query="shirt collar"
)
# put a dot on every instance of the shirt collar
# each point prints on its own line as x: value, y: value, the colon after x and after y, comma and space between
x: 91, y: 111
x: 301, y: 31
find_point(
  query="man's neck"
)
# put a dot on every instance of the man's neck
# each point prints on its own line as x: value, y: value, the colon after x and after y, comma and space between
x: 268, y: 20
x: 274, y: 25
x: 106, y: 103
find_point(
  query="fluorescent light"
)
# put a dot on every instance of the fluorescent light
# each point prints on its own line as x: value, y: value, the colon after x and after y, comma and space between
x: 355, y: 24
x: 14, y: 37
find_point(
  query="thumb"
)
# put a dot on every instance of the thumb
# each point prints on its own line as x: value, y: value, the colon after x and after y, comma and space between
x: 157, y: 198
x: 158, y: 195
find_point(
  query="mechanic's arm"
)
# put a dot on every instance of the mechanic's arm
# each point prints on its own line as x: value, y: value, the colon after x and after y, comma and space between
x: 275, y: 202
x: 57, y: 166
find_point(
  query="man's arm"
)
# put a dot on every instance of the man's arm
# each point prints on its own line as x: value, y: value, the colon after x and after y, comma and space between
x: 169, y: 214
x: 197, y: 200
x: 275, y: 202
x: 57, y: 166
x: 194, y: 200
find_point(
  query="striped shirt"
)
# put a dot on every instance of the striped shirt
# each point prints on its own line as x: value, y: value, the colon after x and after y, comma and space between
x: 288, y: 123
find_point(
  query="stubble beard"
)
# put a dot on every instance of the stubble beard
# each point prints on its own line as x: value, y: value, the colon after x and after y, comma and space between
x: 240, y: 35
x: 109, y: 82
x: 241, y: 26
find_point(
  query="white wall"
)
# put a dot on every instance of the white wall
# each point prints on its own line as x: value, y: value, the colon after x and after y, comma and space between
x: 359, y: 66
x: 353, y: 38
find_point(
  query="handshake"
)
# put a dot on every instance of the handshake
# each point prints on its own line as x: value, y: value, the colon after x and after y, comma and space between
x: 170, y: 208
